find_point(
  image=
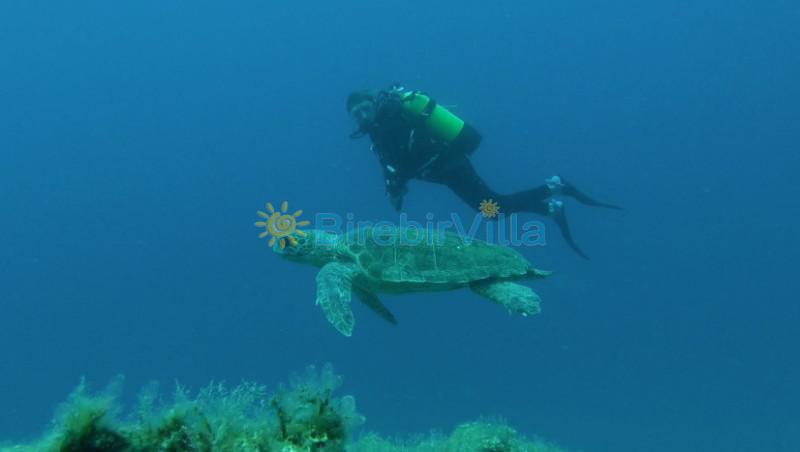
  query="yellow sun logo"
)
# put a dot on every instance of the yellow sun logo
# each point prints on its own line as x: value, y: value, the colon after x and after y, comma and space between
x: 489, y: 208
x: 281, y: 225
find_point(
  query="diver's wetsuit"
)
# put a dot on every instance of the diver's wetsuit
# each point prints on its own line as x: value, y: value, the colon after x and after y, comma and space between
x: 406, y: 151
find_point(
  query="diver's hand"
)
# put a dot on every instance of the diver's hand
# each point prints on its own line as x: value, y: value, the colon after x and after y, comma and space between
x: 396, y: 190
x: 397, y: 202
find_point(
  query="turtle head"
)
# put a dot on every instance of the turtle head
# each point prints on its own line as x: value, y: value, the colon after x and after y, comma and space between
x: 315, y: 247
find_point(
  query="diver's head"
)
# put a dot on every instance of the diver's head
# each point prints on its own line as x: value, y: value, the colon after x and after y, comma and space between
x: 315, y: 247
x: 361, y: 105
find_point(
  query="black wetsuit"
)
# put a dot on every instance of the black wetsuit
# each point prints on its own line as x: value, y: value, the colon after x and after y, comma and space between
x: 406, y: 151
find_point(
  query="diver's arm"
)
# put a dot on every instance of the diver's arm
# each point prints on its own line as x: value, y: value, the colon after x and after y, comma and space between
x: 392, y: 147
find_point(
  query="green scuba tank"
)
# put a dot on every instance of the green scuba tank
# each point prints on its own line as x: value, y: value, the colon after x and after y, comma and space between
x: 439, y: 121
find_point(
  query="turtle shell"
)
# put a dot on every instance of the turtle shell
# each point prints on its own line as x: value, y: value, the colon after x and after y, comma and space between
x: 410, y: 255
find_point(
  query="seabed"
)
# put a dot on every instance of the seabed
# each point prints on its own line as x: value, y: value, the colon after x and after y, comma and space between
x: 302, y: 416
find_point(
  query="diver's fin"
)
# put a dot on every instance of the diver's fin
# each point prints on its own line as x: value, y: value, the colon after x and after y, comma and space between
x: 374, y: 303
x: 561, y: 220
x: 570, y: 190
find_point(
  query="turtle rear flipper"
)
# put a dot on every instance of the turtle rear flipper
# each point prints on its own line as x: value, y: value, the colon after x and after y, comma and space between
x: 334, y: 294
x: 517, y: 298
x: 374, y: 303
x: 537, y: 273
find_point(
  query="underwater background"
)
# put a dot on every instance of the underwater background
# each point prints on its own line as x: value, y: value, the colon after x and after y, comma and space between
x: 138, y: 139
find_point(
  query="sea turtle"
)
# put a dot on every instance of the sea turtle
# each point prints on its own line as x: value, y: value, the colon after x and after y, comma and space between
x: 393, y: 260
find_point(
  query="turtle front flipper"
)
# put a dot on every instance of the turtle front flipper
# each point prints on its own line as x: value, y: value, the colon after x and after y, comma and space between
x: 334, y: 293
x: 516, y: 298
x: 374, y: 303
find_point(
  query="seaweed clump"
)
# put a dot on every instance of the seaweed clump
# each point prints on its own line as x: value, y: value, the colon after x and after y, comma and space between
x: 488, y: 435
x: 301, y: 416
x: 304, y: 416
x: 309, y: 418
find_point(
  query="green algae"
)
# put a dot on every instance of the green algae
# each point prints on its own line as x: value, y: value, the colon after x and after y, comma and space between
x: 304, y: 415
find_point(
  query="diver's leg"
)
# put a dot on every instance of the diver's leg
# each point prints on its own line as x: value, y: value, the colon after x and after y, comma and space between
x: 533, y: 200
x: 557, y: 184
x: 461, y: 177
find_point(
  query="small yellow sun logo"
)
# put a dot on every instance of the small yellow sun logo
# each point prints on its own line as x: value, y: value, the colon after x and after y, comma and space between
x: 280, y: 225
x: 489, y: 208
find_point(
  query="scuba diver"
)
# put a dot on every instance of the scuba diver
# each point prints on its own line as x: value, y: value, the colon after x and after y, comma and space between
x: 414, y: 137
